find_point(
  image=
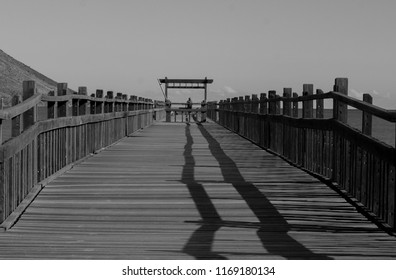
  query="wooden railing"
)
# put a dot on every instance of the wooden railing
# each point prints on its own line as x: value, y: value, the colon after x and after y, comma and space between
x: 71, y: 127
x: 360, y: 166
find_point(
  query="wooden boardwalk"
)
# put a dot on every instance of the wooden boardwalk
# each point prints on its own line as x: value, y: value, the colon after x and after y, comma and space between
x: 177, y: 191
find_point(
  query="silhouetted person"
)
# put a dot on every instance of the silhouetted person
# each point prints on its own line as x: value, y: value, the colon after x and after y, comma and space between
x: 189, y: 103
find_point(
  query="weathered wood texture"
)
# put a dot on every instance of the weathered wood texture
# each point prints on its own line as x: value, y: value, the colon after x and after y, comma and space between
x: 39, y: 149
x: 180, y: 191
x: 362, y: 166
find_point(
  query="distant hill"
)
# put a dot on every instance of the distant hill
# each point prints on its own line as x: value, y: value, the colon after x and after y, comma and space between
x: 14, y: 72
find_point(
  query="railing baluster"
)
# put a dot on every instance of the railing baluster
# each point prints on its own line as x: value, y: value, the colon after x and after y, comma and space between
x: 30, y: 116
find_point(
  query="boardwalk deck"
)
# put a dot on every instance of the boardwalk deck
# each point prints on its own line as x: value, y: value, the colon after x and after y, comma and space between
x: 178, y: 191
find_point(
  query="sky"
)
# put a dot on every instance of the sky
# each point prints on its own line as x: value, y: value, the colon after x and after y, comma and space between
x: 247, y: 46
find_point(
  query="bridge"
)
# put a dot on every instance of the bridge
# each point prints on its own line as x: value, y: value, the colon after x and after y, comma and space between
x: 98, y: 177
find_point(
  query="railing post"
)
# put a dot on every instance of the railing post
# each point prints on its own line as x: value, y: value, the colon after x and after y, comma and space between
x: 295, y: 106
x: 225, y: 113
x: 62, y: 107
x: 203, y: 111
x: 52, y: 113
x: 139, y: 103
x: 272, y: 105
x: 367, y: 118
x: 110, y: 103
x: 277, y: 105
x: 231, y: 104
x: 118, y: 103
x: 16, y: 125
x: 255, y: 104
x: 232, y: 107
x: 82, y: 103
x: 168, y: 105
x: 92, y: 105
x: 241, y: 116
x: 126, y: 113
x: 263, y: 104
x: 220, y: 112
x: 130, y: 104
x: 75, y: 105
x: 30, y: 116
x: 308, y: 105
x: 306, y: 134
x: 99, y: 105
x: 2, y: 186
x: 340, y: 111
x: 124, y: 103
x: 287, y: 92
x: 135, y: 103
x: 341, y: 155
x: 215, y: 112
x: 247, y: 104
x: 319, y: 105
x: 241, y: 105
x: 1, y: 134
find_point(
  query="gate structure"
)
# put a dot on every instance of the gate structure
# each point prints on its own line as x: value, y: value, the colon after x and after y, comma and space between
x: 185, y: 112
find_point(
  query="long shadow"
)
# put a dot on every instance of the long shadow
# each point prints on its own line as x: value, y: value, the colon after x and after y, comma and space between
x: 273, y: 228
x: 200, y: 243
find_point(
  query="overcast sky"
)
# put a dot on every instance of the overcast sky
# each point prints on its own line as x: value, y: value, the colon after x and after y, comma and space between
x: 246, y: 46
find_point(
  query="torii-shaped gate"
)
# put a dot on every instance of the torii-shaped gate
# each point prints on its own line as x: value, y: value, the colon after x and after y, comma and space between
x: 185, y: 84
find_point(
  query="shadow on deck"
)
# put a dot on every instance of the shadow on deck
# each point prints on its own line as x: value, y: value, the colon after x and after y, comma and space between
x: 272, y: 228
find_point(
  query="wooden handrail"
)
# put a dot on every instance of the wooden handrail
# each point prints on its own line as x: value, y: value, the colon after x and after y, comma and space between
x: 90, y: 98
x: 9, y: 113
x: 359, y: 165
x: 69, y: 132
x: 388, y: 115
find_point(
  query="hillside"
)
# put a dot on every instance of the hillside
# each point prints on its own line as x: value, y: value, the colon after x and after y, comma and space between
x: 14, y: 72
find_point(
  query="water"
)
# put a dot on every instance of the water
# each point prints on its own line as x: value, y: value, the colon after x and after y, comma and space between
x: 381, y: 129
